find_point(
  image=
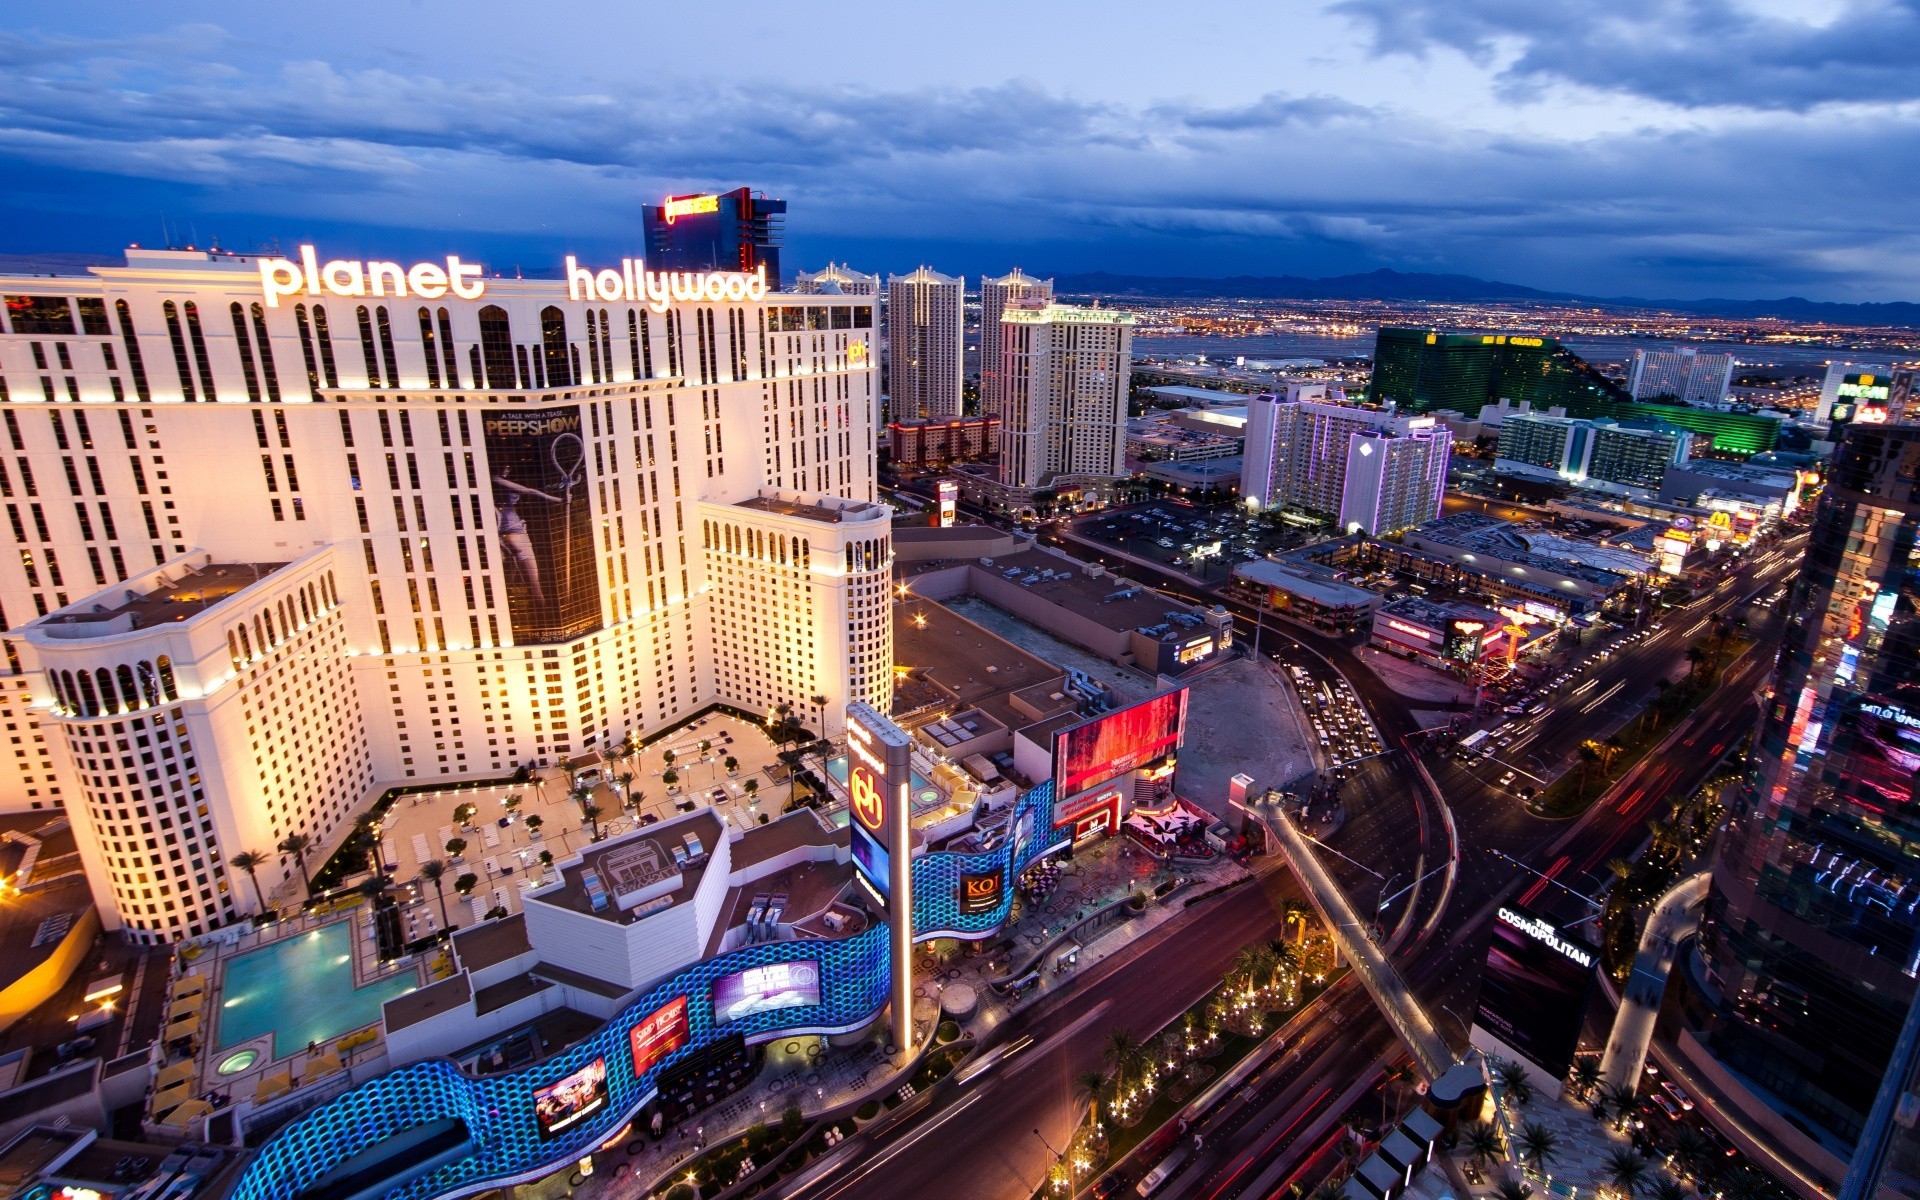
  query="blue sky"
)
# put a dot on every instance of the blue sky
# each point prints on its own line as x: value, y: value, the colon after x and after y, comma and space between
x: 1678, y: 148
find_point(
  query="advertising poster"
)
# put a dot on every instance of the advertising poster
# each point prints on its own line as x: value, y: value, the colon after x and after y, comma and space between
x: 981, y: 893
x: 869, y: 808
x: 658, y: 1034
x: 1533, y: 995
x: 1088, y: 755
x: 537, y: 461
x: 570, y: 1100
x: 765, y: 989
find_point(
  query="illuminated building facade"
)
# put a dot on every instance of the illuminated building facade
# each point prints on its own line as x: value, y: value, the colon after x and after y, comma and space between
x: 1064, y: 373
x: 726, y: 231
x: 926, y: 314
x: 1813, y: 920
x: 475, y: 522
x: 1016, y: 287
x: 837, y: 279
x: 920, y: 443
x: 1680, y: 373
x: 1372, y: 470
x: 1607, y: 454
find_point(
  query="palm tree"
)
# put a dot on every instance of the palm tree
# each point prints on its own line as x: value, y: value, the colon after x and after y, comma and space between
x: 466, y: 883
x: 1589, y: 757
x: 1618, y: 1097
x: 367, y: 828
x: 251, y: 861
x: 1692, y: 1152
x: 1122, y: 1053
x: 535, y: 821
x: 625, y: 779
x: 297, y: 844
x: 1292, y: 911
x: 1696, y: 657
x: 456, y: 846
x: 592, y: 813
x: 1667, y: 1189
x: 373, y: 887
x: 1483, y: 1143
x: 1586, y: 1075
x: 1512, y: 1078
x: 1624, y: 1169
x: 820, y: 706
x: 434, y: 871
x: 1091, y: 1085
x: 1538, y: 1144
x: 1512, y: 1189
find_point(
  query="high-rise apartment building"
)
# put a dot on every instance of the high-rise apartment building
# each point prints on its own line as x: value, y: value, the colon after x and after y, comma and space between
x: 1372, y: 470
x: 1611, y: 455
x: 1064, y: 371
x: 1813, y: 919
x: 726, y: 231
x: 996, y: 295
x: 1680, y: 373
x: 292, y: 532
x: 837, y: 279
x: 926, y: 345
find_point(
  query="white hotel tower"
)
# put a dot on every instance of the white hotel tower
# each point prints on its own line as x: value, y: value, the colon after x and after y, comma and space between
x: 290, y: 533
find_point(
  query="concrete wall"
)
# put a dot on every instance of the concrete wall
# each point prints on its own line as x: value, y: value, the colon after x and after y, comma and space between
x: 38, y: 985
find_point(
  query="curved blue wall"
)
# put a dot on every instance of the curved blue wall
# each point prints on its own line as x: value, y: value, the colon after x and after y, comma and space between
x: 498, y: 1109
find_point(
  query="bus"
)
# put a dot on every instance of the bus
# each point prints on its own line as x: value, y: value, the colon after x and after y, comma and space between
x: 1156, y: 1178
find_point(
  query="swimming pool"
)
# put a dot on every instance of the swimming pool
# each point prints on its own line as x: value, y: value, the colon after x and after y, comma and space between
x: 301, y: 990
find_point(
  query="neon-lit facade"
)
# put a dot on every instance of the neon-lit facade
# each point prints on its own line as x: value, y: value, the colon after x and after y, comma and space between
x: 498, y: 1110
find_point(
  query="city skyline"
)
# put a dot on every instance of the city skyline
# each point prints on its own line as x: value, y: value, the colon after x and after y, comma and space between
x: 1482, y: 145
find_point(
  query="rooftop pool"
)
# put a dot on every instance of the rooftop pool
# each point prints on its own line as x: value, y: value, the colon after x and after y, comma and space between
x: 301, y: 991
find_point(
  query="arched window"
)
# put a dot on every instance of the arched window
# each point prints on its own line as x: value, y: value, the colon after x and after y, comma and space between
x: 306, y: 613
x: 386, y: 345
x: 263, y: 346
x: 446, y: 350
x: 554, y: 348
x: 606, y: 344
x: 200, y: 349
x: 109, y: 703
x: 429, y: 348
x: 61, y: 699
x: 244, y: 344
x: 325, y: 339
x: 246, y: 644
x: 593, y: 342
x: 172, y: 312
x: 129, y: 694
x: 233, y: 649
x: 167, y: 686
x: 149, y: 683
x: 135, y: 363
x: 89, y: 703
x: 496, y: 347
x: 367, y: 350
x: 473, y: 366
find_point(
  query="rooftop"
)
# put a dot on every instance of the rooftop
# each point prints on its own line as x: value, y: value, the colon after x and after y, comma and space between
x: 638, y: 873
x: 826, y: 509
x: 172, y: 597
x: 1066, y: 313
x: 1327, y: 593
x: 969, y: 664
x: 1098, y: 596
x: 1437, y: 612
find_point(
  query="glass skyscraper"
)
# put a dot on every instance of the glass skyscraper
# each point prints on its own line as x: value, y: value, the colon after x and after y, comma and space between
x: 1812, y: 933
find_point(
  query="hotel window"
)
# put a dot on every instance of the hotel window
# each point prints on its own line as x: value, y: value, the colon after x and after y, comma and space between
x: 386, y: 345
x: 174, y: 334
x: 367, y: 351
x: 241, y: 340
x: 606, y: 344
x: 446, y: 349
x: 427, y: 346
x: 593, y: 343
x: 264, y: 348
x: 554, y: 348
x: 135, y: 363
x: 200, y: 349
x: 496, y: 347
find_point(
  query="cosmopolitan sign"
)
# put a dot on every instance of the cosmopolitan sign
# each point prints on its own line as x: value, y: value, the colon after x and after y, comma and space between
x: 1545, y: 933
x: 633, y: 283
x: 353, y: 277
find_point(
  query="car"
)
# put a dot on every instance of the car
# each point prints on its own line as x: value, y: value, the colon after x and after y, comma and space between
x: 1679, y: 1097
x: 1665, y: 1105
x: 1506, y: 779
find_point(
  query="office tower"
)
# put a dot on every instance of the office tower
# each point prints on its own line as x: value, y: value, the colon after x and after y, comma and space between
x: 837, y: 279
x: 1601, y: 453
x: 1368, y: 469
x: 1680, y: 373
x: 726, y: 231
x: 1065, y: 371
x: 1014, y: 288
x: 926, y: 343
x: 1422, y: 370
x: 291, y: 533
x: 1813, y: 919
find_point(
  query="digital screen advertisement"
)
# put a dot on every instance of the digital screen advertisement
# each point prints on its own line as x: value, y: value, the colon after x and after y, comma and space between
x: 658, y: 1034
x: 766, y: 989
x: 869, y: 810
x: 1533, y: 995
x: 1088, y: 755
x: 981, y: 893
x: 537, y: 461
x: 570, y: 1100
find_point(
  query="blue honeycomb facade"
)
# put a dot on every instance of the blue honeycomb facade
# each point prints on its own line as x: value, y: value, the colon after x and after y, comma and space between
x: 498, y: 1110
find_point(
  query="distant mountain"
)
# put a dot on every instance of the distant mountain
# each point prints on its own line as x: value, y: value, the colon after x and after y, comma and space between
x: 1415, y: 285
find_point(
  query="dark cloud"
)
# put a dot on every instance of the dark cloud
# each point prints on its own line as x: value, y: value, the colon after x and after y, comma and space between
x: 97, y: 137
x: 1693, y: 53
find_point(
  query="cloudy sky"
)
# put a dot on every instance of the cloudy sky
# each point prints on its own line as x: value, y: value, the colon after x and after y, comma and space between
x: 1664, y: 148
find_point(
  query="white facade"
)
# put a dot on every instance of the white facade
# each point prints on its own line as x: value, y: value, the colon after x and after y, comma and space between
x: 926, y: 344
x: 1372, y: 470
x: 837, y: 279
x: 1065, y: 374
x: 190, y: 408
x: 1692, y: 376
x: 996, y: 295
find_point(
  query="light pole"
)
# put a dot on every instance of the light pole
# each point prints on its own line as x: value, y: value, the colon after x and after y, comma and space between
x: 1057, y: 1157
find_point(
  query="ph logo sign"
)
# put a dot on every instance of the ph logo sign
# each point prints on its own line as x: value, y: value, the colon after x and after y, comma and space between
x: 868, y: 806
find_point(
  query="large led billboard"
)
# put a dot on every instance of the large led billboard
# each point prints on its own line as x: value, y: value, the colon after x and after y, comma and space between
x: 1090, y: 754
x: 571, y: 1099
x: 657, y: 1035
x: 765, y: 989
x: 981, y: 891
x: 1533, y: 994
x: 543, y: 520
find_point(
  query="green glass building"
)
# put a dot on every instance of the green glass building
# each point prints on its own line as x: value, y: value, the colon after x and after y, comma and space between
x: 1421, y: 370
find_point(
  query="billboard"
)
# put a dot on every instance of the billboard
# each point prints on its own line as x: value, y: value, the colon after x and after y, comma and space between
x: 657, y: 1035
x: 537, y: 461
x: 1090, y: 754
x: 765, y: 989
x: 949, y: 493
x: 570, y: 1099
x: 981, y: 892
x: 1533, y: 994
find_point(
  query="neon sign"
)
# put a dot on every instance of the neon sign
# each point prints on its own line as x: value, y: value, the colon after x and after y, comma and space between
x: 634, y: 284
x: 343, y: 277
x: 1415, y: 630
x: 689, y: 206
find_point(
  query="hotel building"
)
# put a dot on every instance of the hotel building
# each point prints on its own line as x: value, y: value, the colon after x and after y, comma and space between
x: 925, y: 345
x: 1016, y: 287
x: 1374, y: 471
x: 288, y: 534
x: 1064, y: 374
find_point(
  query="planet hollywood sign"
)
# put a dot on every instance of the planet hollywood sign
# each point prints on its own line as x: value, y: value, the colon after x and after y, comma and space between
x: 631, y: 282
